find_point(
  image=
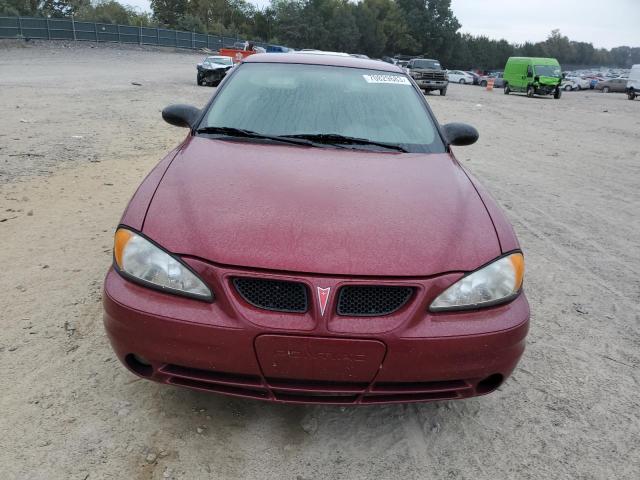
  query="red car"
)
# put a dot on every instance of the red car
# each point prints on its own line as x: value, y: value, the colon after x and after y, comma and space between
x: 314, y: 239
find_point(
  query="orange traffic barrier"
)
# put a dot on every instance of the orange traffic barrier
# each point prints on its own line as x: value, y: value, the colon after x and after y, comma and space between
x: 490, y: 84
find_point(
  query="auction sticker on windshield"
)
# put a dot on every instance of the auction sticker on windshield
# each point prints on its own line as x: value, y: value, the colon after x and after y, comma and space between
x: 393, y: 79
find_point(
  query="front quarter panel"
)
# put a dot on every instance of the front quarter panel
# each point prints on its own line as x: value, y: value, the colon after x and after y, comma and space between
x: 136, y: 211
x: 505, y: 232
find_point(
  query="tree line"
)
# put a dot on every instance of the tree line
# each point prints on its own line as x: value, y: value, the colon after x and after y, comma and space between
x: 373, y: 27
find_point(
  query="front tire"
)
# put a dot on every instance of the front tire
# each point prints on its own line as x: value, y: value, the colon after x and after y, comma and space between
x: 631, y: 94
x: 507, y: 90
x: 483, y: 83
x: 462, y: 81
x: 530, y: 91
x: 443, y: 92
x: 605, y: 90
x: 199, y: 80
x: 567, y: 88
x: 557, y: 94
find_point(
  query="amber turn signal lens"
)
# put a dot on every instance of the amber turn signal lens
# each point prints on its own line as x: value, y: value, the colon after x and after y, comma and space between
x: 120, y: 241
x: 517, y: 260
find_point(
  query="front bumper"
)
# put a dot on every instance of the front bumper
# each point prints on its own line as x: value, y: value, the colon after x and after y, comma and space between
x: 432, y: 84
x: 546, y: 89
x: 235, y: 349
x: 212, y: 76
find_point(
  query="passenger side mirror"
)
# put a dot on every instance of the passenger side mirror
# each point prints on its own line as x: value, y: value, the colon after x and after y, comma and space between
x: 181, y: 115
x: 460, y: 134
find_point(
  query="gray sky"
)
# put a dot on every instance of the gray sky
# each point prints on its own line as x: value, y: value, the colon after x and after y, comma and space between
x: 605, y: 23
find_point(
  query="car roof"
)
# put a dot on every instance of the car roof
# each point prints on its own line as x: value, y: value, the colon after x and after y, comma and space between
x: 329, y: 60
x: 537, y: 60
x: 321, y: 52
x: 218, y: 56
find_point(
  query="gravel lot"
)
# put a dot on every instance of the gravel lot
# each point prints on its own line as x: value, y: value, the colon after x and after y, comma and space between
x: 76, y: 138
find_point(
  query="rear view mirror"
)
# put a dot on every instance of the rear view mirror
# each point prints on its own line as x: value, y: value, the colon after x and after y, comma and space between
x: 181, y: 115
x: 460, y: 134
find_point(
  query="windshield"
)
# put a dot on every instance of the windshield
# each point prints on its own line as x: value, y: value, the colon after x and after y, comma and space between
x: 426, y: 64
x: 548, y: 70
x: 220, y: 60
x: 294, y: 99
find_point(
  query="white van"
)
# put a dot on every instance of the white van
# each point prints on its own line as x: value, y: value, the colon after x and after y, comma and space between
x: 633, y: 84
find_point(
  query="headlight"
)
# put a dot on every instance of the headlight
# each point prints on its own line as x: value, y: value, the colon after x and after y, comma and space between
x: 140, y: 260
x: 498, y: 282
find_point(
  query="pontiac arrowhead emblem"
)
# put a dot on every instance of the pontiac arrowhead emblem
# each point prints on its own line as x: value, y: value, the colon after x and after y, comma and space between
x: 323, y: 298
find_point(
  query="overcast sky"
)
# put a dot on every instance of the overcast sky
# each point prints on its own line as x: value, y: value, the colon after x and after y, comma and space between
x: 605, y: 23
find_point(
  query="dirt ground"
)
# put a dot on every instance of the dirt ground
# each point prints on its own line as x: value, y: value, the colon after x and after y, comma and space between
x: 76, y: 138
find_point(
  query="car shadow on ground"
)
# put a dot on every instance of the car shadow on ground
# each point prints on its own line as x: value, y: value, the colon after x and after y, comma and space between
x: 213, y: 412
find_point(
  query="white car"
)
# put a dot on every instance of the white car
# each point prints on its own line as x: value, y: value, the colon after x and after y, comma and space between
x: 581, y: 83
x: 458, y: 76
x: 213, y: 69
x: 568, y: 85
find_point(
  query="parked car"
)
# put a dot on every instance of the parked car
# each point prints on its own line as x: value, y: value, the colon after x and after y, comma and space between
x: 593, y: 81
x: 533, y: 75
x: 459, y: 76
x: 476, y: 77
x: 580, y: 83
x: 329, y: 250
x: 213, y: 69
x: 277, y: 49
x: 633, y: 83
x: 428, y: 74
x: 568, y: 85
x: 497, y: 77
x: 617, y: 85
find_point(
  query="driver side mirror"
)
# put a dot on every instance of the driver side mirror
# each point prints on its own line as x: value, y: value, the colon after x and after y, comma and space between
x: 460, y: 134
x: 181, y: 115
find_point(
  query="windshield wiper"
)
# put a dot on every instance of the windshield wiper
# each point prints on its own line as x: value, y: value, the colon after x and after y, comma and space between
x: 239, y: 132
x: 337, y: 139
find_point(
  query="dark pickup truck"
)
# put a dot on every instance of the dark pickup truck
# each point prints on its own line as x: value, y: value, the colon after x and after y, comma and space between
x: 428, y: 74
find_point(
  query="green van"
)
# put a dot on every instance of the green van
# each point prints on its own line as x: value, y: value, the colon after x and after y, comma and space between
x: 534, y: 76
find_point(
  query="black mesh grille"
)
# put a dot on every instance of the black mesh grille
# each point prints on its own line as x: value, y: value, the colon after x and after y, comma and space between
x: 275, y: 295
x: 372, y: 300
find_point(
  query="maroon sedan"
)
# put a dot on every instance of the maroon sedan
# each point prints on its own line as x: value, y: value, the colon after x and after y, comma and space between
x: 314, y: 239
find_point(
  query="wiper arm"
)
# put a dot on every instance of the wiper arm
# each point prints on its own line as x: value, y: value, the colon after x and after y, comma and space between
x: 337, y: 139
x: 239, y: 132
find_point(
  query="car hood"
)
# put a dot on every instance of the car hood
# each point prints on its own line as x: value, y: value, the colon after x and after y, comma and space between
x: 549, y: 80
x: 316, y: 210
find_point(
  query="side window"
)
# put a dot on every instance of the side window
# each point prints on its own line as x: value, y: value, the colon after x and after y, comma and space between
x: 529, y: 71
